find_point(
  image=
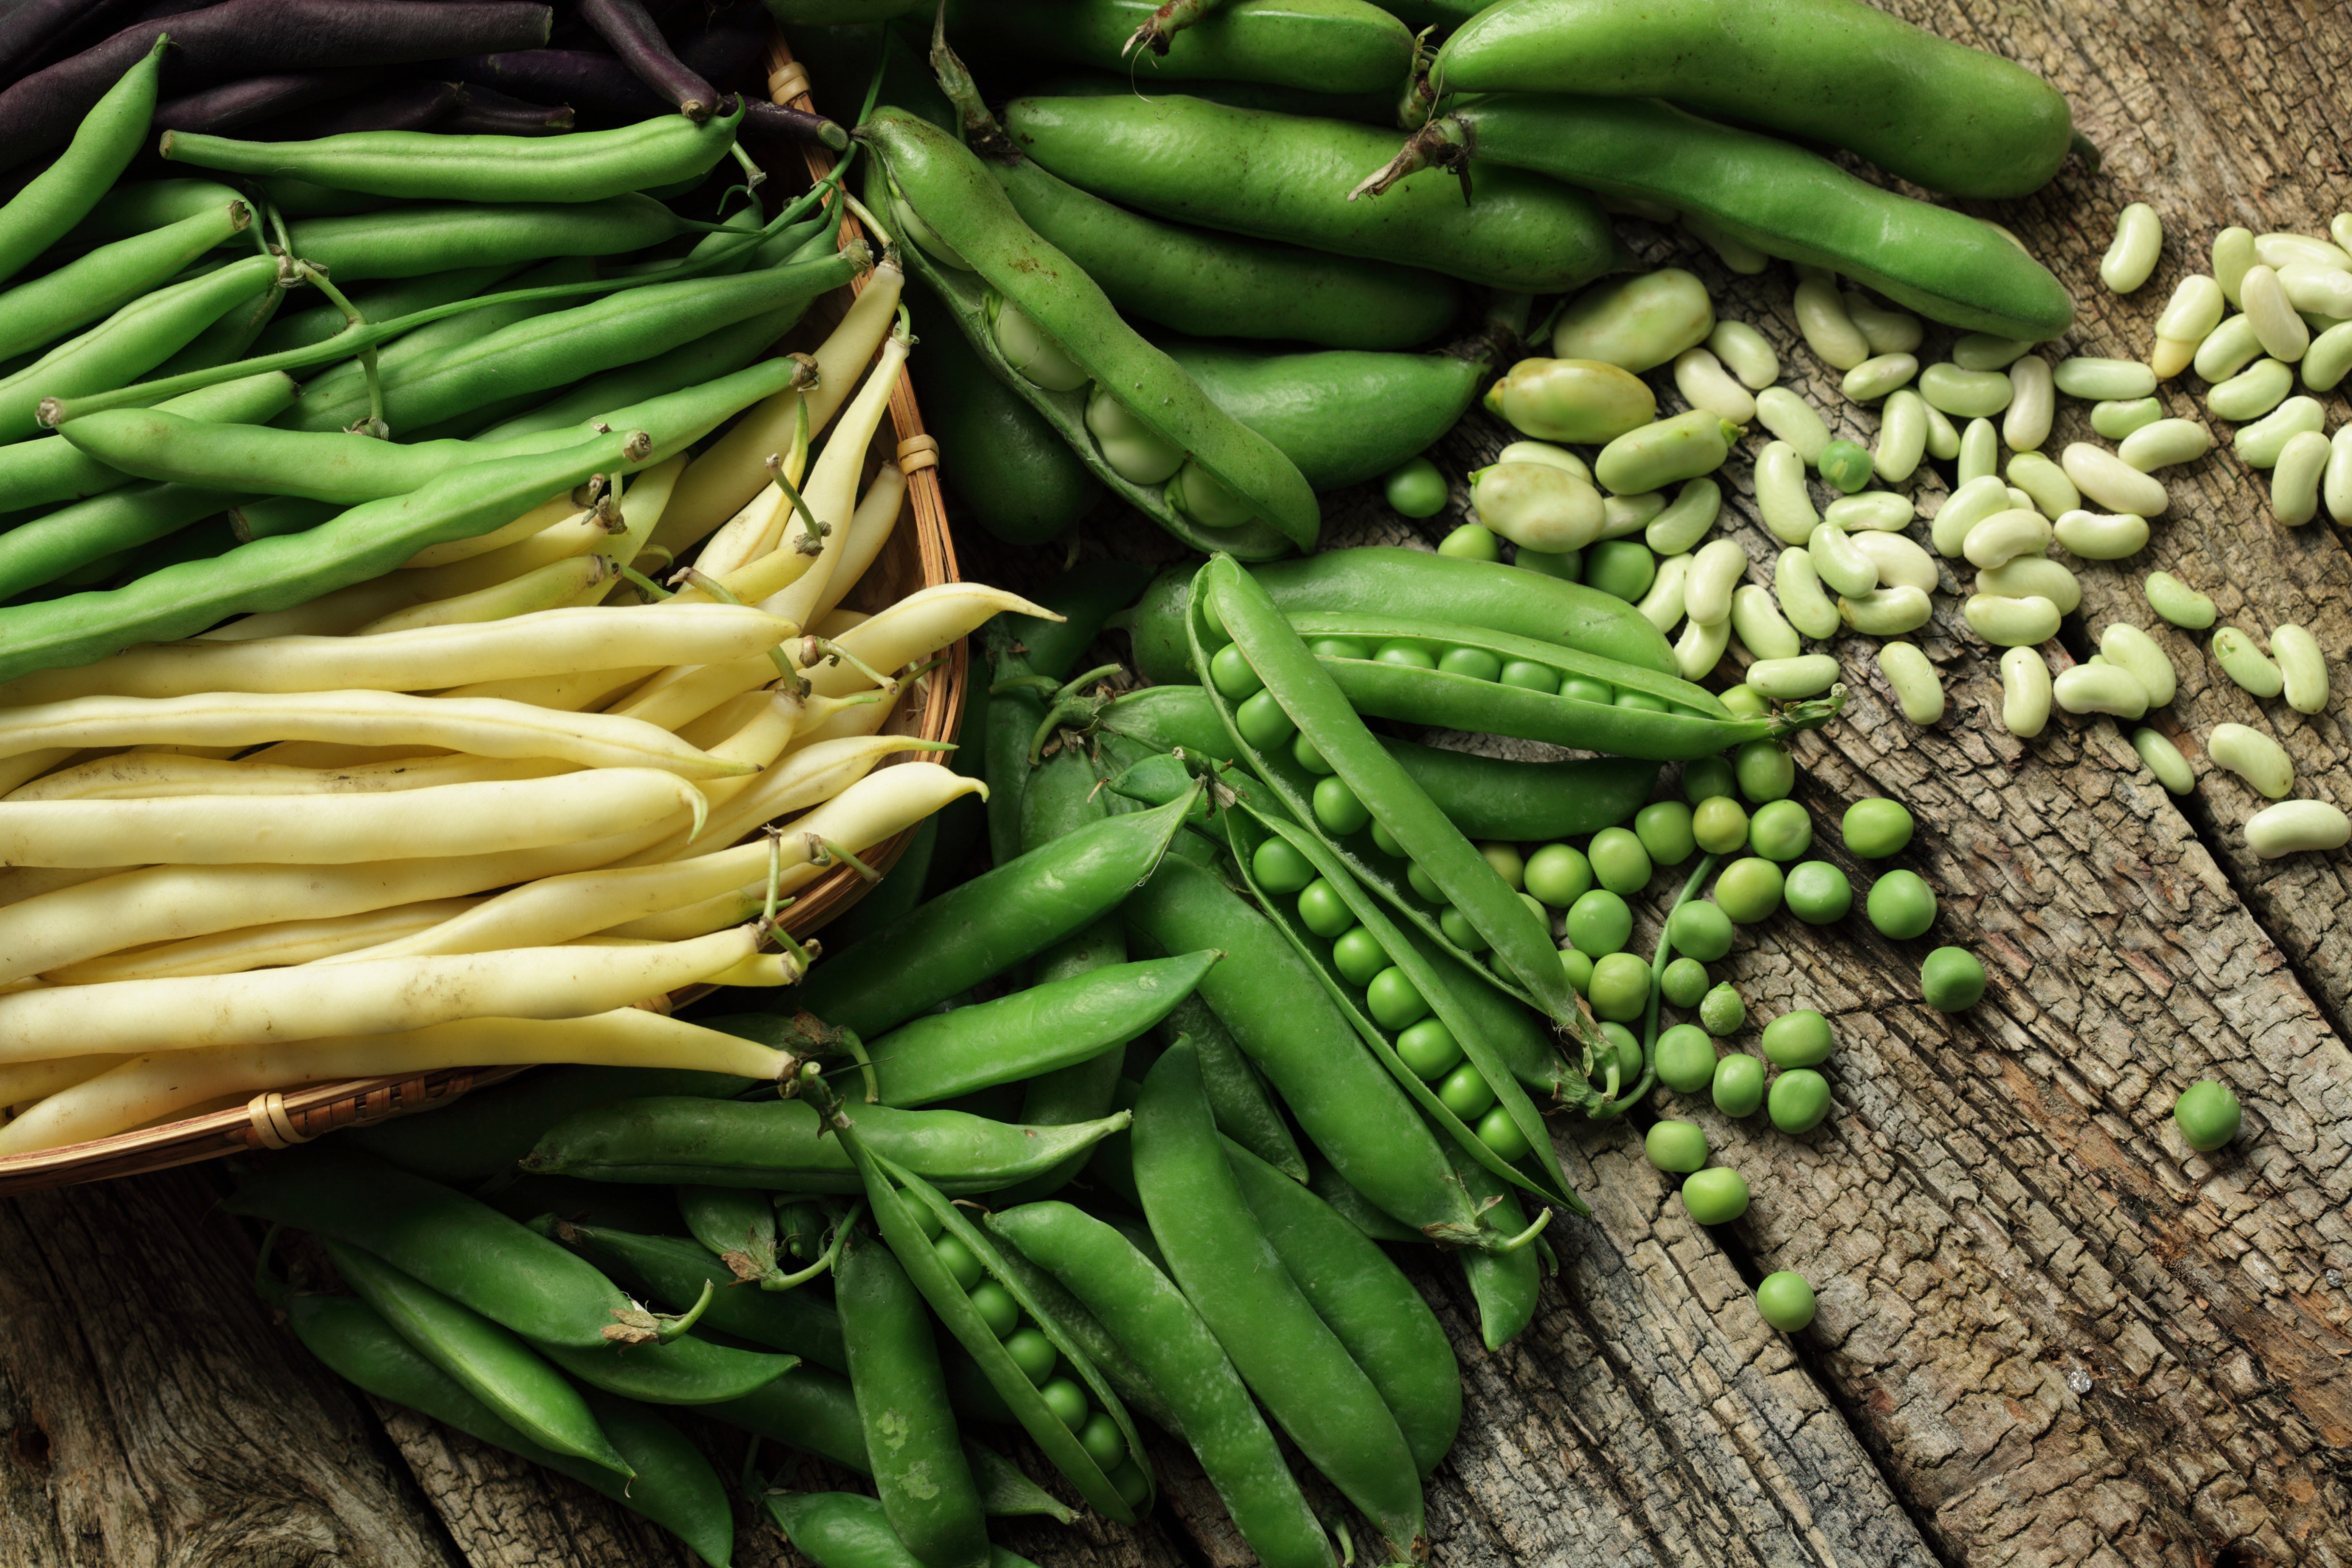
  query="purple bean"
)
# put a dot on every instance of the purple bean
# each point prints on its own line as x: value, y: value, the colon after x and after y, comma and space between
x: 239, y: 38
x: 798, y: 124
x: 225, y: 107
x: 410, y: 106
x: 631, y: 34
x: 598, y: 88
x: 35, y: 24
x: 486, y: 112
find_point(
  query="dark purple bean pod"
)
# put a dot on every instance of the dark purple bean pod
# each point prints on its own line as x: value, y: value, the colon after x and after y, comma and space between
x: 486, y: 111
x: 28, y: 30
x: 232, y: 105
x: 598, y: 88
x: 774, y: 119
x: 410, y: 106
x: 631, y: 33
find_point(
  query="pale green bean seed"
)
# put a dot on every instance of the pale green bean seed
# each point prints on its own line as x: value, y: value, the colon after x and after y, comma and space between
x: 1827, y: 330
x: 1733, y: 252
x: 1700, y: 377
x: 2010, y: 623
x: 1886, y: 612
x: 1887, y: 330
x: 1715, y: 571
x: 2192, y: 313
x: 2024, y: 692
x: 2277, y: 328
x: 1687, y: 519
x: 1793, y: 420
x: 1813, y: 272
x: 1966, y: 507
x: 1980, y: 450
x: 2294, y: 482
x: 1781, y: 494
x: 1790, y: 679
x: 1876, y: 377
x: 1027, y: 349
x: 1965, y: 394
x: 2127, y: 645
x: 2165, y: 761
x: 2302, y: 667
x: 2117, y: 420
x: 2318, y: 291
x: 2284, y: 250
x: 1544, y: 453
x: 2178, y: 602
x: 2104, y: 379
x: 2164, y: 443
x: 1622, y: 515
x: 1756, y: 621
x: 2100, y: 689
x: 1902, y: 437
x: 2245, y: 663
x: 1700, y: 648
x: 2293, y: 827
x: 1665, y: 452
x: 2233, y: 252
x: 1918, y: 689
x: 2336, y: 487
x: 1877, y: 511
x: 1943, y: 436
x: 2255, y: 757
x: 2032, y: 405
x: 2053, y: 493
x: 1199, y: 495
x: 2033, y: 576
x: 1798, y: 587
x: 2339, y: 229
x: 1747, y: 353
x: 2101, y: 536
x: 2258, y: 444
x: 1981, y: 351
x: 1898, y: 560
x: 1128, y: 445
x: 1537, y: 505
x: 2113, y: 483
x: 2020, y: 502
x: 2139, y: 240
x: 2325, y: 362
x: 1662, y: 606
x: 1637, y: 322
x: 2006, y: 535
x: 2227, y: 350
x: 1840, y: 565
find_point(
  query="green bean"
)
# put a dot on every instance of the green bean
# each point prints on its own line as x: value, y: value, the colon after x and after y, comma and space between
x: 411, y: 241
x: 40, y: 312
x: 1327, y: 46
x: 100, y: 529
x: 38, y: 473
x: 60, y: 195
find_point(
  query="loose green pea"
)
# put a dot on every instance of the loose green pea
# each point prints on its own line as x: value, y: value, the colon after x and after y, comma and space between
x: 1676, y: 1146
x: 1337, y: 808
x: 1620, y: 568
x: 1875, y: 828
x: 1430, y: 1049
x: 1721, y: 1011
x: 1280, y: 869
x: 1701, y: 929
x: 1785, y: 1301
x: 1619, y: 861
x: 2178, y: 602
x: 1706, y: 778
x: 1471, y: 542
x: 1476, y: 663
x: 1263, y: 722
x: 2165, y: 761
x: 1738, y: 1087
x: 1766, y: 771
x: 1684, y: 982
x: 996, y: 1307
x: 1530, y: 676
x: 1720, y: 825
x: 1818, y: 893
x: 1567, y: 565
x: 1599, y: 923
x: 1665, y: 829
x: 1357, y: 955
x: 1714, y: 1196
x: 1619, y: 1046
x: 1230, y: 674
x: 1846, y: 464
x: 1951, y: 980
x: 1620, y: 987
x: 1466, y: 1094
x: 1781, y: 830
x: 1799, y: 1039
x: 1799, y: 1101
x: 1416, y: 489
x: 1559, y: 875
x: 1686, y: 1058
x: 1322, y: 910
x: 2117, y: 420
x: 2207, y: 1116
x: 1901, y: 905
x: 1578, y: 966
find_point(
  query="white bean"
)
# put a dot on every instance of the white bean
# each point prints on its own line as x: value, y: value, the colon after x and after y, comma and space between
x: 1756, y: 621
x: 2253, y: 756
x: 2010, y: 623
x: 2139, y: 240
x: 1888, y: 331
x: 2227, y: 350
x: 2024, y: 692
x: 2336, y: 485
x: 2293, y: 826
x: 1790, y: 679
x: 2165, y: 761
x: 1886, y: 612
x: 2258, y: 444
x: 1943, y: 438
x: 1793, y: 420
x: 2052, y: 492
x: 1898, y: 560
x: 1876, y: 377
x: 2032, y: 405
x: 2033, y: 576
x: 1828, y: 330
x: 1700, y: 648
x: 1715, y: 571
x: 1966, y: 507
x: 1663, y: 605
x: 1902, y: 437
x: 2233, y: 252
x: 1798, y: 587
x: 2294, y: 482
x: 1783, y: 495
x: 2006, y: 535
x: 1980, y: 450
x: 2102, y: 536
x: 1878, y: 510
x: 2164, y: 443
x: 1840, y: 565
x: 2285, y: 250
x: 2113, y: 483
x: 2321, y: 290
x: 2282, y: 332
x: 2192, y: 314
x: 1747, y: 353
x: 2100, y: 689
x: 1917, y: 688
x: 2129, y: 648
x: 1700, y: 377
x: 2302, y: 665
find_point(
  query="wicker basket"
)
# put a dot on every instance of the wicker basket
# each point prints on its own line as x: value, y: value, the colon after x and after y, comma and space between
x: 917, y: 556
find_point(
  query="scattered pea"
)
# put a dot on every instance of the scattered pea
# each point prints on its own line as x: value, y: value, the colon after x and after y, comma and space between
x: 1799, y: 1101
x: 1706, y: 778
x: 1620, y: 987
x: 1749, y: 890
x: 1465, y: 1094
x: 1676, y: 1146
x: 1578, y: 967
x: 1416, y: 488
x: 1799, y: 1039
x: 1766, y: 770
x: 1337, y: 807
x: 1875, y: 828
x: 1901, y: 905
x: 1951, y: 980
x: 1781, y: 830
x: 1472, y: 541
x: 2247, y: 665
x: 1738, y: 1086
x: 2253, y: 756
x: 2165, y: 761
x: 1620, y: 568
x: 1599, y: 923
x: 2207, y: 1114
x: 1621, y: 1047
x: 1817, y: 892
x: 1785, y: 1301
x: 1686, y: 1058
x: 1620, y: 862
x: 1719, y: 824
x: 1501, y: 1135
x: 1716, y: 1196
x: 1665, y: 830
x: 1700, y: 930
x: 1684, y: 982
x: 2025, y: 690
x: 2293, y: 827
x: 2139, y: 240
x: 1357, y: 955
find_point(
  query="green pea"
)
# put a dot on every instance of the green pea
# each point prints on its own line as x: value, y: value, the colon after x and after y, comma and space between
x: 1132, y: 1485
x: 959, y: 1260
x: 2208, y: 1115
x: 1619, y: 861
x: 1665, y: 829
x: 1280, y: 869
x: 1032, y: 1353
x: 930, y: 1223
x: 1599, y: 923
x: 1416, y: 489
x: 1066, y: 1400
x: 1676, y: 1146
x: 1358, y: 954
x: 1475, y: 662
x: 1421, y: 882
x: 1750, y: 890
x: 1721, y: 1011
x: 1340, y: 647
x: 1460, y: 932
x: 1799, y: 1101
x: 1507, y: 865
x: 1739, y: 1088
x: 1385, y: 842
x: 996, y: 1308
x: 1584, y: 689
x: 1579, y: 968
x: 1720, y: 825
x: 1846, y: 465
x: 1530, y: 676
x: 1567, y: 565
x: 1952, y: 980
x: 1798, y: 1039
x: 1684, y: 982
x: 1766, y: 770
x: 1394, y: 1001
x: 1621, y: 568
x: 1620, y: 987
x: 1901, y: 905
x: 1785, y: 1301
x: 1818, y: 892
x: 1619, y: 1045
x: 1263, y: 723
x: 1781, y: 830
x: 1230, y: 674
x: 1708, y: 778
x: 1500, y: 1133
x: 1466, y: 1094
x: 1686, y: 1057
x: 1876, y: 828
x: 1714, y: 1196
x: 1744, y: 701
x: 1303, y: 752
x: 1559, y: 875
x: 1322, y: 910
x: 1103, y: 1441
x: 1639, y: 701
x: 1337, y: 808
x: 1430, y: 1049
x: 1701, y: 929
x: 1472, y: 541
x: 1405, y: 653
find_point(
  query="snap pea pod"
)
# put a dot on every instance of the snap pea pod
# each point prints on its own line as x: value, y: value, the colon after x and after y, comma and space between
x: 736, y: 1225
x: 1351, y: 1205
x: 674, y: 1270
x: 1505, y: 1285
x: 1938, y: 113
x: 62, y: 195
x: 47, y: 308
x: 952, y: 193
x: 1125, y: 1373
x: 1343, y: 417
x: 665, y: 1478
x: 38, y: 473
x: 686, y: 1371
x: 843, y: 1530
x: 1776, y: 196
x: 1279, y: 177
x: 1149, y: 1318
x: 1245, y: 1111
x: 1324, y: 46
x: 410, y: 241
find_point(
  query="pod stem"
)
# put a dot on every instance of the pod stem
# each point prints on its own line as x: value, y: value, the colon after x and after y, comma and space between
x: 1445, y: 142
x: 1525, y: 1238
x: 981, y: 133
x: 1809, y: 715
x: 1163, y: 25
x: 826, y: 1260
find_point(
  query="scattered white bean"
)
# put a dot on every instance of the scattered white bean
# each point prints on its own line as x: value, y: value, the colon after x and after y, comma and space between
x: 1828, y: 330
x: 2113, y: 483
x: 2282, y: 332
x: 1790, y: 679
x: 2164, y: 443
x: 2139, y: 240
x: 2233, y: 252
x: 2285, y: 250
x: 1898, y: 560
x: 1700, y: 377
x: 1965, y: 394
x: 2227, y: 350
x: 2295, y: 480
x: 1982, y: 351
x: 1877, y: 511
x: 2117, y: 420
x: 1756, y: 621
x: 2010, y: 623
x: 2102, y: 536
x: 1798, y: 587
x: 2165, y: 761
x: 1970, y: 504
x: 1689, y: 518
x: 2252, y: 393
x: 1783, y: 495
x: 2192, y: 314
x: 2006, y: 535
x: 2318, y: 291
x: 2258, y: 444
x: 1943, y: 436
x: 1700, y: 648
x: 1887, y: 330
x: 2253, y: 756
x: 1715, y: 571
x: 1663, y: 605
x: 2245, y: 663
x: 2336, y: 486
x: 1747, y: 353
x: 2032, y: 405
x: 1917, y: 688
x: 1876, y: 377
x: 2129, y: 648
x: 2053, y: 493
x: 2302, y: 665
x: 1980, y: 450
x: 1793, y: 420
x: 2024, y: 692
x: 1886, y: 612
x: 1840, y: 565
x: 2328, y: 358
x: 2178, y: 603
x: 2033, y: 578
x: 2100, y: 689
x: 2293, y: 827
x: 1902, y: 437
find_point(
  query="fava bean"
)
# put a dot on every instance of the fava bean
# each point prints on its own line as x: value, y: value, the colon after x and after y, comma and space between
x: 2281, y: 331
x: 1876, y: 377
x: 2178, y: 602
x: 2129, y: 648
x: 2053, y: 493
x: 2165, y: 761
x: 2253, y: 756
x: 1788, y: 678
x: 1746, y: 352
x: 1982, y: 351
x: 2113, y: 483
x: 2302, y: 668
x: 1700, y: 377
x: 1572, y: 400
x: 2258, y: 444
x: 2227, y: 350
x: 1664, y: 604
x: 2032, y: 575
x: 1701, y: 647
x: 2252, y: 393
x: 1886, y: 612
x: 1624, y: 514
x: 2188, y: 317
x: 2295, y: 478
x: 2010, y: 623
x: 2117, y: 420
x: 1683, y: 447
x: 2247, y: 665
x: 2102, y: 536
x: 1965, y: 394
x: 2293, y: 827
x: 2031, y: 403
x: 1792, y: 420
x: 2139, y: 240
x: 1979, y: 451
x: 1827, y: 330
x: 2006, y: 535
x: 1637, y: 322
x: 1798, y: 588
x: 1917, y: 688
x: 1974, y: 502
x: 2025, y: 692
x: 1902, y: 437
x: 1537, y: 505
x: 1876, y: 511
x: 1886, y: 329
x: 1761, y: 629
x: 1898, y: 560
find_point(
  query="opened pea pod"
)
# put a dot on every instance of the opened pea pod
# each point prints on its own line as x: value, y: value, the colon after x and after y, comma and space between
x: 1142, y: 425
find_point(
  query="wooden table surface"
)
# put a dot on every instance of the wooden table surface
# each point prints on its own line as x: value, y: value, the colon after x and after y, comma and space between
x: 2049, y: 1333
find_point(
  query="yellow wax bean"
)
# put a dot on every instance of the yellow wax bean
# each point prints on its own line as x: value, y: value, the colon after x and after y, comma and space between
x: 538, y: 520
x: 870, y: 527
x: 266, y: 947
x: 547, y: 588
x: 759, y: 527
x: 798, y: 780
x: 24, y: 1081
x: 831, y: 490
x: 17, y: 771
x: 574, y: 691
x: 698, y: 919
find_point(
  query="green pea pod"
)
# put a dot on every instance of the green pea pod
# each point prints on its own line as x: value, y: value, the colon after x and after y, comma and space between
x: 1351, y: 1205
x: 1324, y: 46
x: 1776, y: 196
x: 779, y: 1145
x: 673, y: 1271
x: 38, y: 473
x: 1143, y: 1310
x: 686, y: 1371
x: 490, y: 1362
x: 1275, y: 176
x: 1381, y: 580
x: 1112, y: 1357
x: 1365, y: 1299
x: 1940, y: 114
x: 1246, y: 1112
x: 1054, y: 1025
x: 989, y: 923
x: 1297, y: 1368
x: 60, y: 195
x: 485, y: 1132
x: 664, y: 1479
x: 1343, y: 417
x: 421, y: 165
x: 1505, y: 1285
x: 843, y: 1530
x: 44, y: 309
x: 1017, y: 698
x: 1524, y: 801
x: 952, y: 193
x: 736, y: 1224
x: 410, y: 241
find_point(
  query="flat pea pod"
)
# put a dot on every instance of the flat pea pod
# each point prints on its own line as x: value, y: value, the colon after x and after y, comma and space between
x: 2259, y: 444
x: 490, y: 1129
x: 2253, y: 392
x: 2163, y: 442
x: 423, y: 165
x: 2297, y: 826
x: 1782, y: 200
x: 1635, y: 324
x: 2177, y: 602
x: 2101, y: 536
x: 663, y: 1476
x: 1282, y: 177
x: 2163, y: 760
x: 2025, y: 692
x: 2115, y: 421
x: 685, y: 1371
x: 2132, y: 255
x: 1781, y: 495
x: 1343, y: 416
x: 1685, y: 446
x: 2006, y: 622
x: 2114, y: 484
x: 62, y: 195
x: 2247, y: 665
x: 847, y: 1530
x: 780, y: 1144
x: 2100, y: 689
x: 673, y: 1271
x: 1322, y: 46
x: 1787, y: 680
x: 40, y: 473
x: 2127, y: 645
x: 1527, y: 802
x: 2303, y: 668
x: 2296, y: 482
x: 2253, y: 756
x: 1965, y: 394
x: 1798, y: 588
x: 953, y: 193
x: 1294, y: 1364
